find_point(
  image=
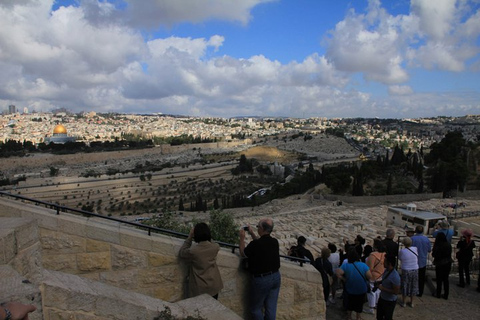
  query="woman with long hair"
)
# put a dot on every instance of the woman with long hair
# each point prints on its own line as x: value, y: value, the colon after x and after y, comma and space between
x: 464, y: 255
x: 442, y: 259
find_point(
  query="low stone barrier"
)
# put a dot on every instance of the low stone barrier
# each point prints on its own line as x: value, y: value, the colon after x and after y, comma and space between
x: 122, y: 256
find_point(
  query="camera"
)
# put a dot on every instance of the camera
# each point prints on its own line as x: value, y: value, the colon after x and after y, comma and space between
x: 245, y: 228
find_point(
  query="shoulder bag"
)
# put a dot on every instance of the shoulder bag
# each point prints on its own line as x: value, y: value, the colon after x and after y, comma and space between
x: 369, y: 289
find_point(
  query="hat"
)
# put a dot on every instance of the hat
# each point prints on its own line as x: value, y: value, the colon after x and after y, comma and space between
x: 467, y: 233
x: 443, y: 224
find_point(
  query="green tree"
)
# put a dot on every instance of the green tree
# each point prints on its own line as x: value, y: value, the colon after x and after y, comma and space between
x: 338, y: 182
x: 180, y: 205
x: 223, y: 227
x: 447, y: 162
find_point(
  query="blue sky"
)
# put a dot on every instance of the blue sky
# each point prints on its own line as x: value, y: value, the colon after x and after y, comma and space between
x: 294, y: 58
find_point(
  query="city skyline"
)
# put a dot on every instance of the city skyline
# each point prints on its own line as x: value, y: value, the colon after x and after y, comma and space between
x: 402, y: 59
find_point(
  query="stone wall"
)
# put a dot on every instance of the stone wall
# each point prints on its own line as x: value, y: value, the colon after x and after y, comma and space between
x: 119, y: 255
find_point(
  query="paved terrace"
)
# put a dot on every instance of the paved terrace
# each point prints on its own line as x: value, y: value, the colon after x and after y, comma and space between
x: 324, y: 223
x: 463, y: 303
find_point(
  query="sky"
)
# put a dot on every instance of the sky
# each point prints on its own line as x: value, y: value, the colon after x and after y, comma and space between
x: 227, y: 58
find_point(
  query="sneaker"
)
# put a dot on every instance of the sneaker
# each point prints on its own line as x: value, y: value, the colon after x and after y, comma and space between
x: 331, y: 300
x: 410, y: 304
x: 368, y: 310
x: 402, y: 304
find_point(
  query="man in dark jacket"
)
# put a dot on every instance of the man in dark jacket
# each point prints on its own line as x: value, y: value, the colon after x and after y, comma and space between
x: 390, y: 245
x: 263, y: 264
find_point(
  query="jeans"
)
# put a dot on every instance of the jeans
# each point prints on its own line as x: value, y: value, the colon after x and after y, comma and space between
x: 264, y: 293
x: 385, y: 309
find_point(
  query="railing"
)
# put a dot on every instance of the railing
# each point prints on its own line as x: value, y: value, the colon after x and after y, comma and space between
x: 474, y: 264
x: 59, y: 208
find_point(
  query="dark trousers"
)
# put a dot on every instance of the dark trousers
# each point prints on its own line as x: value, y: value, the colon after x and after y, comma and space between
x: 464, y: 269
x: 385, y: 309
x: 421, y: 280
x: 441, y: 273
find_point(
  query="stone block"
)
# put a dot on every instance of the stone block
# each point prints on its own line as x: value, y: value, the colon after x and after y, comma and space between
x: 171, y: 292
x: 60, y: 262
x: 123, y: 258
x: 100, y: 232
x: 54, y: 314
x: 47, y: 221
x: 26, y: 234
x: 126, y: 279
x: 94, y: 261
x: 72, y: 225
x: 314, y: 277
x: 294, y: 271
x: 229, y: 278
x: 157, y: 260
x: 227, y: 259
x: 136, y: 240
x: 304, y: 292
x: 96, y: 246
x: 90, y: 316
x: 165, y: 245
x: 208, y: 307
x: 54, y: 242
x: 112, y: 308
x: 95, y: 276
x: 28, y: 261
x: 287, y: 292
x: 66, y: 293
x: 165, y: 274
x: 8, y: 248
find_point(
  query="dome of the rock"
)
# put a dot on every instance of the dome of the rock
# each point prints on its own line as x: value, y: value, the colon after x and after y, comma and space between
x: 59, y: 129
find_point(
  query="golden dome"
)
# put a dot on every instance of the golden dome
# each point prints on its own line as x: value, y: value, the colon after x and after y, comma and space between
x: 59, y: 129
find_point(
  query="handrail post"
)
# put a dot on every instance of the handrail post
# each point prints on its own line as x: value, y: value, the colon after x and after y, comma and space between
x: 58, y: 210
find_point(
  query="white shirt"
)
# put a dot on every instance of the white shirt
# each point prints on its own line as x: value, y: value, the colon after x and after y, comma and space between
x: 408, y: 258
x: 334, y: 260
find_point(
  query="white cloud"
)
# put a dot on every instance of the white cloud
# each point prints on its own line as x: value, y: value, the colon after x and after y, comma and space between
x: 448, y: 30
x: 400, y: 90
x: 436, y: 17
x: 153, y: 13
x: 439, y: 34
x: 369, y: 43
x: 90, y: 57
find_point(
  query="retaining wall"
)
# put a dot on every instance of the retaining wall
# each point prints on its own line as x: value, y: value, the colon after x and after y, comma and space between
x: 122, y: 256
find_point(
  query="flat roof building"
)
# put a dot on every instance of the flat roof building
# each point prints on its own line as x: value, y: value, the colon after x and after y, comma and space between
x: 410, y: 217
